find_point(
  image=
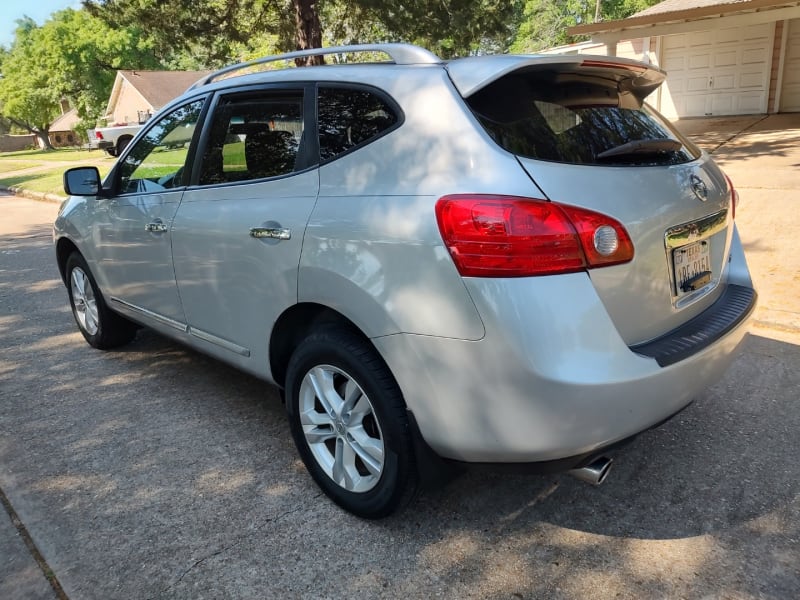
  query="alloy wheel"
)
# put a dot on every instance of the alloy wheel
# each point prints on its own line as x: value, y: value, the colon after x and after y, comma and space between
x: 84, y: 301
x: 341, y: 428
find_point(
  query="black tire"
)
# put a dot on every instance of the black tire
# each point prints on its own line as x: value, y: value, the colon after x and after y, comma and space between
x: 375, y: 417
x: 122, y: 143
x: 102, y: 328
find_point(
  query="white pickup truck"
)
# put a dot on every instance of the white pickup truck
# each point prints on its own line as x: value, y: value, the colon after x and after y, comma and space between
x: 112, y: 139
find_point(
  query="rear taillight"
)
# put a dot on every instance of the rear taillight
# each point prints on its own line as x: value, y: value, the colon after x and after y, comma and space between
x: 509, y: 236
x: 98, y: 135
x: 734, y: 197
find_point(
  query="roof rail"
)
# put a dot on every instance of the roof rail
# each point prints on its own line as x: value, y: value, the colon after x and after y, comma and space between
x: 401, y: 54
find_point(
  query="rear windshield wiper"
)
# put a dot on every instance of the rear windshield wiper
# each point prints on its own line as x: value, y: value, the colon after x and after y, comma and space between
x: 651, y: 146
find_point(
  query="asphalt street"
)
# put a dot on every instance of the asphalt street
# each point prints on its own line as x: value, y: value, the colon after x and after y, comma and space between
x: 156, y: 472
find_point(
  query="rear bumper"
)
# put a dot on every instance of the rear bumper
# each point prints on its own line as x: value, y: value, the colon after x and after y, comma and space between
x: 552, y: 379
x: 734, y: 306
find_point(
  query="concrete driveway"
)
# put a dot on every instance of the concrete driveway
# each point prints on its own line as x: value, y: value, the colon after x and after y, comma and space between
x: 155, y: 472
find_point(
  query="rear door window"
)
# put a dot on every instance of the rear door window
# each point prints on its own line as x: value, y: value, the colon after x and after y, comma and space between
x: 254, y: 135
x: 349, y: 118
x: 580, y: 121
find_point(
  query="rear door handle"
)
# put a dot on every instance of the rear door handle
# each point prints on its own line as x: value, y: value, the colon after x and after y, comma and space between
x: 275, y: 233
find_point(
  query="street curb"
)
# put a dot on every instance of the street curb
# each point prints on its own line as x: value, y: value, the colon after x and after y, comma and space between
x: 35, y: 553
x: 41, y: 196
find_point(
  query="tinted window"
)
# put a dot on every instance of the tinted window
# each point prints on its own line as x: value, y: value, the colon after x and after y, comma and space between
x: 253, y: 136
x: 156, y: 162
x: 348, y: 118
x: 578, y: 122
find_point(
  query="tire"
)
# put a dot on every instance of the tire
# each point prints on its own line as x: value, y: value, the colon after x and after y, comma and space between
x: 349, y: 422
x: 122, y: 143
x: 102, y: 328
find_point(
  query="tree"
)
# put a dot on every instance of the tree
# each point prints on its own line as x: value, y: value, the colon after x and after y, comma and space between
x: 73, y: 56
x: 308, y: 30
x: 27, y: 101
x: 223, y: 30
x: 543, y: 23
x: 448, y: 28
x: 199, y: 33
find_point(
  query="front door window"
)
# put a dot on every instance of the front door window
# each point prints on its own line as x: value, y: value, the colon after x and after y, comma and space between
x: 156, y: 162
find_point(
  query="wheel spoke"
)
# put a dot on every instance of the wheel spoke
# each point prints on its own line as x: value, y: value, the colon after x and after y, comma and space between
x: 322, y: 381
x: 77, y: 286
x: 343, y: 465
x: 91, y: 317
x: 368, y: 449
x: 318, y: 435
x: 361, y: 409
x: 84, y: 301
x: 352, y: 395
x: 313, y: 417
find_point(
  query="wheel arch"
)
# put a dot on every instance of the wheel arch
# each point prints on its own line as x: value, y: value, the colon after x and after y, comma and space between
x: 294, y: 325
x: 64, y: 247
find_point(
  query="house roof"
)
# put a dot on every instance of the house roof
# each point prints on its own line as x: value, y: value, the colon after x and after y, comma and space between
x: 65, y: 122
x: 683, y: 11
x: 157, y: 88
x: 160, y: 87
x: 668, y: 6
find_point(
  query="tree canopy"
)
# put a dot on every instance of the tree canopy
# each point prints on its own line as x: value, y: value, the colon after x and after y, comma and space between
x: 218, y: 31
x: 73, y: 56
x: 543, y: 23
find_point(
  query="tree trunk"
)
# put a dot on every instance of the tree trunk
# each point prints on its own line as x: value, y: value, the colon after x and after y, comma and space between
x: 44, y: 138
x: 308, y: 31
x: 43, y: 133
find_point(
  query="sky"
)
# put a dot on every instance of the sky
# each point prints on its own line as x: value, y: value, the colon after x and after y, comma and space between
x: 38, y: 10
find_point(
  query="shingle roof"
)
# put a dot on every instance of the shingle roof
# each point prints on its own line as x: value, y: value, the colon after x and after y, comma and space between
x: 683, y: 11
x: 668, y: 6
x: 65, y: 122
x: 160, y: 87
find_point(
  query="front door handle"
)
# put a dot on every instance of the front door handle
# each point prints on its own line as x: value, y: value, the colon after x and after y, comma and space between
x: 275, y: 233
x: 156, y: 227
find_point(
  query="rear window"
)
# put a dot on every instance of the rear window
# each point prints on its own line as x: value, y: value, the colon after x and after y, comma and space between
x: 576, y: 120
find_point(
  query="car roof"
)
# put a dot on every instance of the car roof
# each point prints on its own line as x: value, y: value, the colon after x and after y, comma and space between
x: 469, y: 74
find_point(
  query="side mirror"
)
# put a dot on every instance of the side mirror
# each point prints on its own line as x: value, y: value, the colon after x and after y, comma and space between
x: 82, y: 181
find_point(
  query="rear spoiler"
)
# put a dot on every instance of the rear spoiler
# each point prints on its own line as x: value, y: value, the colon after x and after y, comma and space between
x: 474, y: 73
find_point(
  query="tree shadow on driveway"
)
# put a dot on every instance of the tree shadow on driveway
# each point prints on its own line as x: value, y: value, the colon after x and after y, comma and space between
x: 156, y: 472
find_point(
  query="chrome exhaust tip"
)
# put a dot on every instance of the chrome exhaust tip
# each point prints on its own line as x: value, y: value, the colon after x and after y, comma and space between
x: 594, y: 473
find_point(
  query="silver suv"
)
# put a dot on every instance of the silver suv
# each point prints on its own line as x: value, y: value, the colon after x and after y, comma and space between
x: 495, y: 259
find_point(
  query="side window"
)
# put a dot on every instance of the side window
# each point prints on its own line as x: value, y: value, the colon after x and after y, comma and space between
x: 156, y: 162
x: 253, y: 136
x: 350, y: 117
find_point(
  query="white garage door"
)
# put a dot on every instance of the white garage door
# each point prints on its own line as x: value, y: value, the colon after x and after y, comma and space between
x: 790, y: 92
x: 717, y: 72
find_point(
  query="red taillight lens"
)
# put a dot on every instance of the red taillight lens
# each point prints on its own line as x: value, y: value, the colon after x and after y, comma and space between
x: 734, y: 197
x: 508, y: 236
x: 98, y: 135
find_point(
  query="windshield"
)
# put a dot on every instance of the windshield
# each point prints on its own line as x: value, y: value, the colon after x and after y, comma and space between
x: 579, y: 120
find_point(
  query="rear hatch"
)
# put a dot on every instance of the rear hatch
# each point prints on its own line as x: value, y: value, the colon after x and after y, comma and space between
x: 580, y: 129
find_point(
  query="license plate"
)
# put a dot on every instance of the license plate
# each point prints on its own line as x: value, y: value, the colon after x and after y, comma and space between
x: 692, y: 264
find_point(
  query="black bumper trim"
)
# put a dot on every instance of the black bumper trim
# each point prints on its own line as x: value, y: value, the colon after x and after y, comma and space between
x: 733, y: 307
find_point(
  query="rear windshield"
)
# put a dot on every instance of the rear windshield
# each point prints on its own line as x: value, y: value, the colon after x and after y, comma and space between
x: 576, y: 120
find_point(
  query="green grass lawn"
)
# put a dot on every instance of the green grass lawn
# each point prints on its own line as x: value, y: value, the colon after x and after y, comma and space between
x: 16, y: 165
x: 66, y: 154
x: 48, y: 180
